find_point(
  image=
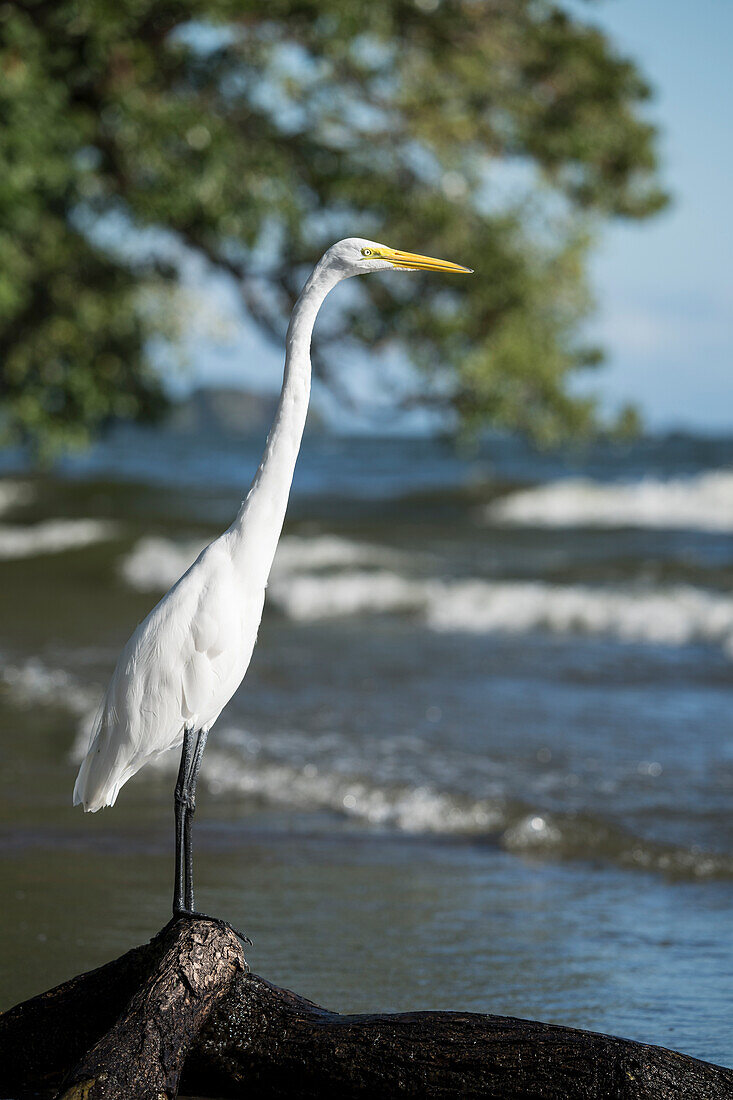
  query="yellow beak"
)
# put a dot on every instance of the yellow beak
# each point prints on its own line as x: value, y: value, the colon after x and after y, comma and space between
x: 410, y: 261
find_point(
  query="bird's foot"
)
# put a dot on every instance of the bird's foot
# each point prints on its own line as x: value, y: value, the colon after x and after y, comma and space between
x: 193, y: 914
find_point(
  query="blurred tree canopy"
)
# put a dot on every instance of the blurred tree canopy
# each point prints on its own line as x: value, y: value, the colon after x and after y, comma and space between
x: 498, y: 133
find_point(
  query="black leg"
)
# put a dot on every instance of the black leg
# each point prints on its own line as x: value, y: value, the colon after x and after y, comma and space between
x: 179, y: 804
x: 194, y: 744
x: 190, y: 810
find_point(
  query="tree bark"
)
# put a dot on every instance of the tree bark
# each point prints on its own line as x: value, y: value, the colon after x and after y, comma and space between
x: 183, y: 1010
x: 142, y: 1054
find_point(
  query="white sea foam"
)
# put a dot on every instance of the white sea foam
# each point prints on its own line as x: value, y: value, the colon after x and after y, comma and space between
x: 154, y: 564
x: 304, y: 589
x: 33, y: 683
x: 13, y: 493
x: 51, y: 537
x: 427, y: 809
x: 414, y: 809
x: 703, y: 502
x: 674, y: 615
x: 298, y: 552
x: 310, y: 596
x: 48, y: 537
x: 238, y: 763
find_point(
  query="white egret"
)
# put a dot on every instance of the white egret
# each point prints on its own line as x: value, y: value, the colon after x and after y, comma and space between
x: 184, y: 662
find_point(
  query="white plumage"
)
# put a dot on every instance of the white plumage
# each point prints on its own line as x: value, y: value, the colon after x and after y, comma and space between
x: 187, y: 658
x: 180, y: 668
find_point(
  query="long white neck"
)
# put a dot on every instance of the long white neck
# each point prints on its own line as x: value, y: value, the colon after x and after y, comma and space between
x: 256, y: 530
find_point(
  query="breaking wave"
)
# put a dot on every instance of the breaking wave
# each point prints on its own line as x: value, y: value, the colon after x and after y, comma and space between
x: 303, y: 588
x: 280, y: 771
x: 33, y: 684
x: 48, y: 537
x: 426, y: 809
x: 307, y: 597
x: 675, y: 615
x: 51, y: 537
x: 297, y: 552
x: 13, y: 493
x: 703, y: 502
x: 155, y: 564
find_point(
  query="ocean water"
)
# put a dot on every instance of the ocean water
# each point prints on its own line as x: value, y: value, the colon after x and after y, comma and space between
x: 483, y: 757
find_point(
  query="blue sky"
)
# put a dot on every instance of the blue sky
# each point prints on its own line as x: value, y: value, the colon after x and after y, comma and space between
x: 664, y: 288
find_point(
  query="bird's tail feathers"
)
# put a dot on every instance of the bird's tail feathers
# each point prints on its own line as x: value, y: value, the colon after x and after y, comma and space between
x: 98, y: 782
x: 89, y: 792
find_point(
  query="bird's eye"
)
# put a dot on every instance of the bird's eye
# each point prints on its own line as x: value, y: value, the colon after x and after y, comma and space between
x: 366, y: 251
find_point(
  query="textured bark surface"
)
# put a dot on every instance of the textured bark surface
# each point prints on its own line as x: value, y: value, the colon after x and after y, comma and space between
x: 142, y: 1054
x: 124, y: 1030
x: 268, y: 1042
x: 184, y: 1004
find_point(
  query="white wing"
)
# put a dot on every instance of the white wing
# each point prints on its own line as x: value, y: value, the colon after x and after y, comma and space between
x: 180, y: 667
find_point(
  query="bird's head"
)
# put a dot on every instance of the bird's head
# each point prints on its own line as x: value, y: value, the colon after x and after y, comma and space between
x: 356, y: 256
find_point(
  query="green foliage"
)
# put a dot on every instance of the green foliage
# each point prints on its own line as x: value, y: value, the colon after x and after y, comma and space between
x: 258, y: 131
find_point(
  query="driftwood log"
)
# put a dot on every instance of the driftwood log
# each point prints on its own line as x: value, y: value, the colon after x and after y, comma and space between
x: 183, y: 1012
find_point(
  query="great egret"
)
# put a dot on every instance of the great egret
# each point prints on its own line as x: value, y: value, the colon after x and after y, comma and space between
x: 186, y: 659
